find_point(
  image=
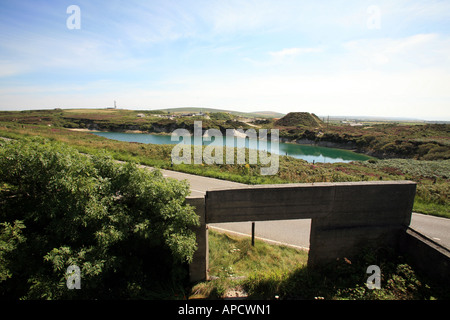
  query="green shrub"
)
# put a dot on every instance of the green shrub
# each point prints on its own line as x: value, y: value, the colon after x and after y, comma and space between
x: 437, y: 152
x: 126, y: 228
x: 345, y: 279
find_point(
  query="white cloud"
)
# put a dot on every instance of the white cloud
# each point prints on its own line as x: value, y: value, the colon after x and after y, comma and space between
x: 420, y: 50
x: 294, y: 51
x: 286, y: 57
x: 11, y: 68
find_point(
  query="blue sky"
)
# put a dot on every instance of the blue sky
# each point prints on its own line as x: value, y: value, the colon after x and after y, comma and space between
x: 367, y: 58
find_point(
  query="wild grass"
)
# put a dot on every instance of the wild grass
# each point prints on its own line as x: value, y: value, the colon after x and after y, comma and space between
x: 235, y: 256
x: 233, y: 259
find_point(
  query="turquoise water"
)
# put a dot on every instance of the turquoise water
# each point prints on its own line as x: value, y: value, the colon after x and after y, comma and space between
x: 305, y: 152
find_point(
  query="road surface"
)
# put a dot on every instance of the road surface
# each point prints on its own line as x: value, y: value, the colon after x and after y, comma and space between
x: 296, y: 232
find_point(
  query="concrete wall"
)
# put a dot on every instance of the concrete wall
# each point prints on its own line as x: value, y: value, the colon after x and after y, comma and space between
x: 269, y: 202
x: 426, y: 255
x: 344, y: 215
x: 362, y: 214
x: 198, y: 269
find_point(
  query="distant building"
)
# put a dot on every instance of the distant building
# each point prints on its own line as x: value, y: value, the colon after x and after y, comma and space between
x: 115, y: 106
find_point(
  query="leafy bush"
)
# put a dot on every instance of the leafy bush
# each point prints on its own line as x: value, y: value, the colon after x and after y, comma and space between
x: 299, y: 119
x: 126, y: 228
x: 220, y: 116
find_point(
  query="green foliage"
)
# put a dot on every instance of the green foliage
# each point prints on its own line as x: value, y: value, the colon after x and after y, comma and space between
x: 276, y: 271
x: 424, y: 142
x: 128, y: 229
x: 345, y: 279
x: 220, y: 116
x: 233, y: 257
x: 10, y: 237
x: 299, y: 119
x: 418, y: 141
x: 415, y: 168
x: 432, y: 177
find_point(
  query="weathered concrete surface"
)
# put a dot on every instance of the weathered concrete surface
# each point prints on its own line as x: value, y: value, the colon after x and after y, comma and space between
x: 433, y: 227
x: 362, y: 214
x: 198, y: 269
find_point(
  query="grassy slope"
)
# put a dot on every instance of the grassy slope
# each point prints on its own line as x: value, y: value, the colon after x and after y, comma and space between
x: 300, y: 119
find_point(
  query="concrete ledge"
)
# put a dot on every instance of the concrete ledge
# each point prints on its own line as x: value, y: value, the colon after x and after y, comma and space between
x: 341, y: 201
x: 427, y: 255
x: 269, y: 203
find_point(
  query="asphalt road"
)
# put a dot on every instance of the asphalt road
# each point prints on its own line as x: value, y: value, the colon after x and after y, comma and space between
x: 296, y: 232
x: 436, y: 228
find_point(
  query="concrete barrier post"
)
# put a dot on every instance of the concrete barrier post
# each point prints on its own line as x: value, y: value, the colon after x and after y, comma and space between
x: 427, y: 255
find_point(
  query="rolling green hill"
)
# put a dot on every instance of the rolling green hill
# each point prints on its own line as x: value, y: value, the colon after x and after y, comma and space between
x: 299, y: 119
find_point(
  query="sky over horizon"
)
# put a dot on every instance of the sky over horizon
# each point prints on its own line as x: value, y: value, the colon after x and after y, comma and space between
x: 337, y: 58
